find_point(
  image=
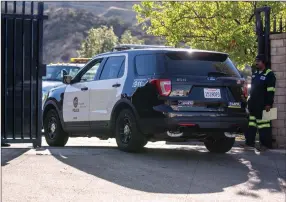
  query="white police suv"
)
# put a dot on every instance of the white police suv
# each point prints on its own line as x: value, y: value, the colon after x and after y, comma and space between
x: 150, y: 94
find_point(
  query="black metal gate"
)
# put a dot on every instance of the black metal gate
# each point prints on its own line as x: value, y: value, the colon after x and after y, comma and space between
x: 21, y: 72
x: 264, y: 27
x: 263, y: 32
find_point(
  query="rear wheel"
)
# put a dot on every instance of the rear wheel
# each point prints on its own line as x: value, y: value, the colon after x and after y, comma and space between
x: 128, y: 137
x: 222, y: 144
x: 54, y: 134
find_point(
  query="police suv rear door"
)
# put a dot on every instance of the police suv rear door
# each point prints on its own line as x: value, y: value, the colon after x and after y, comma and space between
x: 107, y: 90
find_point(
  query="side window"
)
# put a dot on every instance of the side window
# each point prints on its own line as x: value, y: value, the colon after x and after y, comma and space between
x: 121, y: 71
x: 90, y: 74
x: 146, y: 64
x: 112, y: 67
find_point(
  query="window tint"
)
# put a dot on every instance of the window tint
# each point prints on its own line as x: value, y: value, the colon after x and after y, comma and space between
x: 206, y: 65
x: 90, y: 74
x: 146, y: 64
x: 112, y: 67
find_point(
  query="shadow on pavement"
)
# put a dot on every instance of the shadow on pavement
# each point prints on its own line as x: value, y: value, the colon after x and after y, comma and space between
x: 175, y: 171
x: 266, y: 171
x: 8, y: 154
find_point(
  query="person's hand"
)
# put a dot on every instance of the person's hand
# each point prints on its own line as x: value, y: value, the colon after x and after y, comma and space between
x: 267, y: 108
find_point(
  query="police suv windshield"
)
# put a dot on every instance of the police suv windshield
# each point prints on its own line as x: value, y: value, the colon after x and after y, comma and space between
x: 54, y: 72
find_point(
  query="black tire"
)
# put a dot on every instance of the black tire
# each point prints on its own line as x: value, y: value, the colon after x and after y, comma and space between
x: 55, y: 137
x: 219, y: 145
x: 128, y: 137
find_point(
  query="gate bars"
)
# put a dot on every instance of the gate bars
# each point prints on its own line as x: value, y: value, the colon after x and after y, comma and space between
x: 21, y: 72
x: 263, y: 32
x: 264, y: 28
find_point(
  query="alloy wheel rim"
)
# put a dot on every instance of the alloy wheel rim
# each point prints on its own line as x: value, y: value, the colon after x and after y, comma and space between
x: 125, y: 130
x: 52, y: 127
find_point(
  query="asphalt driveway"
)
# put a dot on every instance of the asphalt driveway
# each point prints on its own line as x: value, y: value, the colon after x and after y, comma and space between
x: 92, y: 170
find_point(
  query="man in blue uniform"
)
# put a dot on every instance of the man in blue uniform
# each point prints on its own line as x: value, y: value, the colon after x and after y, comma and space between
x: 261, y: 98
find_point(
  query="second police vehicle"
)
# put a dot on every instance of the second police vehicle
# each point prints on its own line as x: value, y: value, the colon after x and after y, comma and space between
x: 150, y: 94
x: 54, y: 73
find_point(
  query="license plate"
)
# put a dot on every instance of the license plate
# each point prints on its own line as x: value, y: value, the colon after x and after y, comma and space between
x: 212, y: 93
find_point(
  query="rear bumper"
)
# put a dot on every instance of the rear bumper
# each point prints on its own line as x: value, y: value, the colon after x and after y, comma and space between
x: 193, y: 122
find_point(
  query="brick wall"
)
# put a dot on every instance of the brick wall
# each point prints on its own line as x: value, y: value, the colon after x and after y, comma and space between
x: 278, y: 65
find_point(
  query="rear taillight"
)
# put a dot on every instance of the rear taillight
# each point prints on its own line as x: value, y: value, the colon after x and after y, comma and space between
x: 245, y: 89
x: 163, y: 86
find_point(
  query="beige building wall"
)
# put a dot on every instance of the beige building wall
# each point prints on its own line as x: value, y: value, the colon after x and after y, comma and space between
x: 278, y: 65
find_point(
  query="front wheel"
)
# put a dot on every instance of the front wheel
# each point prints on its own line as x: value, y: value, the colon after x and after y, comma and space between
x: 219, y: 145
x: 54, y: 134
x: 128, y: 137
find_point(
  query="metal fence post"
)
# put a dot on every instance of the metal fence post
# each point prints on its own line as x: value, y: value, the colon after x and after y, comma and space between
x: 263, y: 33
x: 39, y: 74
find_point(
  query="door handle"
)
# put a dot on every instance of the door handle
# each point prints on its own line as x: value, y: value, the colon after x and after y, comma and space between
x: 84, y: 88
x: 116, y: 85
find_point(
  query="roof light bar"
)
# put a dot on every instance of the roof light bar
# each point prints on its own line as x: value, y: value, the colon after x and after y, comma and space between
x: 79, y: 60
x: 137, y: 46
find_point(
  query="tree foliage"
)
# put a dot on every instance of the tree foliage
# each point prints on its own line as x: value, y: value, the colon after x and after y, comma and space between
x: 99, y: 40
x: 221, y: 26
x: 103, y: 39
x: 127, y: 38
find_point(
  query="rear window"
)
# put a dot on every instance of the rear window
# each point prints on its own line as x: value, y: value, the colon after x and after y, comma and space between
x: 199, y: 64
x: 145, y: 64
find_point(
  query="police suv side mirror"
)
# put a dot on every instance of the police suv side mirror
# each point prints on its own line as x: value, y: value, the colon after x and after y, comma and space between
x: 64, y: 73
x: 67, y: 79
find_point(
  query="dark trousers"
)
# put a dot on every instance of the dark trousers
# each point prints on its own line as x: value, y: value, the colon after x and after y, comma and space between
x: 264, y: 129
